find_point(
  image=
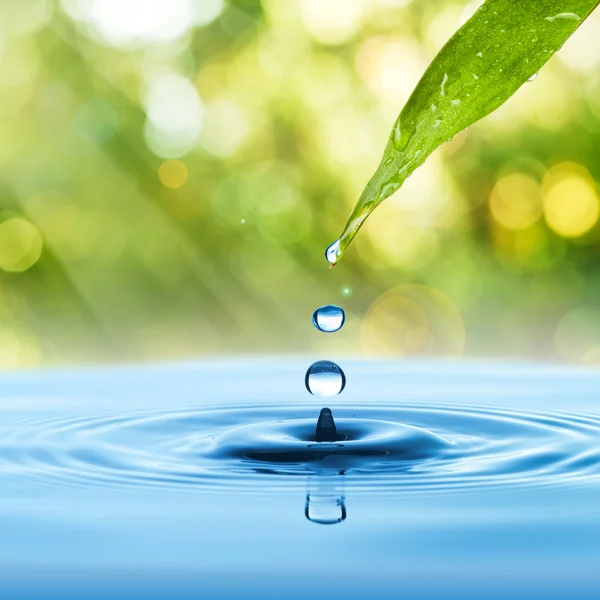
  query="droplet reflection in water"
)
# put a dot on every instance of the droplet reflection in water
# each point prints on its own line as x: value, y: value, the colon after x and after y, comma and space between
x: 325, y: 502
x: 329, y: 318
x: 333, y: 252
x: 324, y: 378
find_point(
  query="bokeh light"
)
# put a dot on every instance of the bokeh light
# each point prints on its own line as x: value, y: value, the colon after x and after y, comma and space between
x: 175, y: 113
x: 332, y: 22
x: 577, y: 336
x: 122, y: 22
x: 174, y: 170
x: 516, y: 201
x: 413, y: 320
x: 20, y: 245
x: 571, y: 204
x: 172, y: 173
x: 96, y: 121
x: 25, y: 17
x: 390, y: 67
x: 225, y: 128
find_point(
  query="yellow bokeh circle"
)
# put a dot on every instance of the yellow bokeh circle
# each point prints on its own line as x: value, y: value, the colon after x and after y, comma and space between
x: 173, y: 173
x: 20, y: 245
x: 571, y: 203
x: 413, y: 320
x: 515, y: 201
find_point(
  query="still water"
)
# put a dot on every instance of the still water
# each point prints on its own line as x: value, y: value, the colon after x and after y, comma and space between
x: 205, y: 479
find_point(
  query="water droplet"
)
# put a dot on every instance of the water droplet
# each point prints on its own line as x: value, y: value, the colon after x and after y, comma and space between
x: 533, y: 77
x: 324, y: 378
x: 325, y: 509
x: 443, y: 85
x: 388, y: 161
x: 387, y: 190
x: 402, y: 136
x: 484, y: 8
x: 333, y: 252
x: 566, y: 15
x: 329, y: 318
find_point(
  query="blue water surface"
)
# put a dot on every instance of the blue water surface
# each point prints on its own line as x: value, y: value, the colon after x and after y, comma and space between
x: 193, y: 480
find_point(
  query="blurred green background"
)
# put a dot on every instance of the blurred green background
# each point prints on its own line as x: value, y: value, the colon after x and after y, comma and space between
x: 171, y: 172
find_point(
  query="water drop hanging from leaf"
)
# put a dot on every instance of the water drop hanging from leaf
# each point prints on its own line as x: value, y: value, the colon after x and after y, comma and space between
x: 502, y: 46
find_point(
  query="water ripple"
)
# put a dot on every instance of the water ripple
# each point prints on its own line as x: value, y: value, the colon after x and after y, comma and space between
x: 262, y: 446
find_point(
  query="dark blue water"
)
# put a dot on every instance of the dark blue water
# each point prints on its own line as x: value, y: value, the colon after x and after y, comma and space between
x: 194, y: 480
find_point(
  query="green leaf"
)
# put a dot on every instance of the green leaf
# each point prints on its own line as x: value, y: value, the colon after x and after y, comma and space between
x: 504, y: 44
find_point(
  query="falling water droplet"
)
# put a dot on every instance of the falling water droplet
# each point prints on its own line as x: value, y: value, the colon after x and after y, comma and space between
x: 329, y: 318
x: 333, y: 252
x: 324, y: 378
x: 533, y: 77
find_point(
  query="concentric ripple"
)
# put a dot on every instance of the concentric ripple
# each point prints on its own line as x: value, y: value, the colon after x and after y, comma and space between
x: 265, y: 447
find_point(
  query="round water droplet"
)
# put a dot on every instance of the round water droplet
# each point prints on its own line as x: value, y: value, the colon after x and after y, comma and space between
x: 329, y: 318
x: 324, y: 378
x: 333, y: 252
x: 533, y: 77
